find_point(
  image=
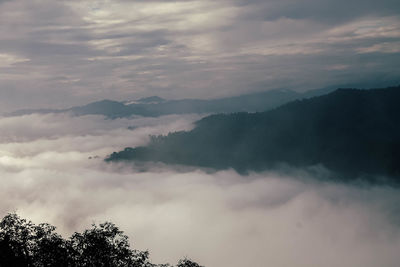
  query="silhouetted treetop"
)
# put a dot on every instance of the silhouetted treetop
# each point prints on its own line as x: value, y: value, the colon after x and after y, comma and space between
x: 23, y: 243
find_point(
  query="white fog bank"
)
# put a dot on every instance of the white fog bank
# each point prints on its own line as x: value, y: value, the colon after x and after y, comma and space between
x: 219, y: 219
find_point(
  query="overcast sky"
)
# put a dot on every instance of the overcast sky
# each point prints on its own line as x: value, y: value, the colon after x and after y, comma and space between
x: 56, y: 53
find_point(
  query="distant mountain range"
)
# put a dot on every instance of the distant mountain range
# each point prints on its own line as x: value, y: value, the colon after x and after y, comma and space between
x: 156, y: 106
x: 352, y: 132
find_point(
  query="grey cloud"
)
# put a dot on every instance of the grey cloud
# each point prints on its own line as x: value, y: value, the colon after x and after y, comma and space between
x: 325, y: 11
x: 131, y: 49
x: 53, y: 126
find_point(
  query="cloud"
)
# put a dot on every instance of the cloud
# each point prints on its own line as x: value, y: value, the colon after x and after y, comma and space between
x: 218, y: 219
x: 322, y: 11
x: 7, y: 60
x: 382, y: 48
x: 176, y: 49
x: 30, y: 134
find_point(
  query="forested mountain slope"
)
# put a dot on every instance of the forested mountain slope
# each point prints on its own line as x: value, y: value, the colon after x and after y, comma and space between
x: 351, y: 131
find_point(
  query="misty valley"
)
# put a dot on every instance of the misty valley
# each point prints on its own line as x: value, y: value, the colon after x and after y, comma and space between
x: 321, y: 165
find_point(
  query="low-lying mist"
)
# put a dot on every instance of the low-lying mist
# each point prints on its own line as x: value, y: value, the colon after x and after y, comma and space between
x: 52, y: 170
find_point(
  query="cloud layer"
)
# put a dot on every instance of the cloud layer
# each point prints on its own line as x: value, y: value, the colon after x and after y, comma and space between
x: 218, y: 219
x: 63, y: 53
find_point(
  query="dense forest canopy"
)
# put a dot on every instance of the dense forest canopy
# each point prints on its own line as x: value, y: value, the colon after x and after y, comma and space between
x: 350, y: 131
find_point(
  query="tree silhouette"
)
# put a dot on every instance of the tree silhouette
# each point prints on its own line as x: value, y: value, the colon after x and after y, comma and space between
x: 23, y: 243
x: 187, y: 263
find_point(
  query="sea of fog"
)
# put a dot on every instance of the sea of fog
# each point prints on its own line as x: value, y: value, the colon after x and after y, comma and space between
x: 52, y: 170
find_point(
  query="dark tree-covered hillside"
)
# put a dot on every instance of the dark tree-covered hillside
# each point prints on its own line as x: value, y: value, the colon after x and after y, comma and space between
x: 350, y: 131
x: 23, y: 243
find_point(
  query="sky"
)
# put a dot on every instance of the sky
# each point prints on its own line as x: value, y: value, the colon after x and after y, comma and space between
x: 57, y: 54
x: 219, y: 219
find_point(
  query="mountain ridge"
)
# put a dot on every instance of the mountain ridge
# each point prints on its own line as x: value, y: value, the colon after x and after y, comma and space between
x: 154, y: 106
x: 350, y: 131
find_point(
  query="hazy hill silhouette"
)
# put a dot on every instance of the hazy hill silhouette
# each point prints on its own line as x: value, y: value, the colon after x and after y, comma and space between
x: 155, y: 106
x: 354, y: 132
